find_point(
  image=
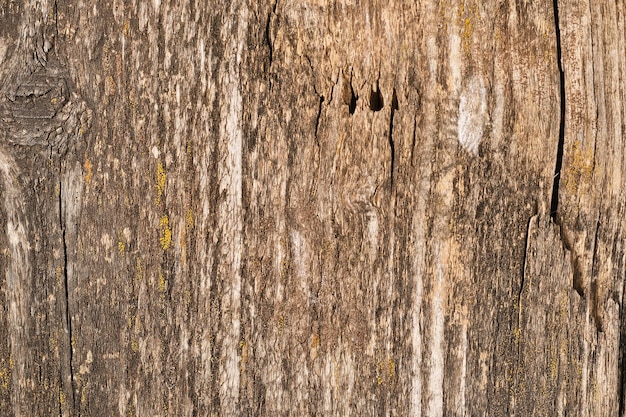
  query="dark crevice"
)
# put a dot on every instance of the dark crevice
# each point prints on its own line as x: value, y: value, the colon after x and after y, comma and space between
x: 352, y: 102
x: 394, y: 107
x: 376, y: 100
x: 319, y: 116
x: 56, y: 21
x: 68, y: 316
x: 268, y: 32
x: 554, y: 203
x: 348, y: 96
x: 268, y: 39
x: 578, y: 282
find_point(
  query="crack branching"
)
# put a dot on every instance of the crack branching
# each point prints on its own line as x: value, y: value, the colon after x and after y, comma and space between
x: 394, y: 107
x: 68, y: 316
x: 554, y: 203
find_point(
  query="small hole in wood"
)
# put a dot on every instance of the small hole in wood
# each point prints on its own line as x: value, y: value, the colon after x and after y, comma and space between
x: 376, y: 100
x: 353, y: 99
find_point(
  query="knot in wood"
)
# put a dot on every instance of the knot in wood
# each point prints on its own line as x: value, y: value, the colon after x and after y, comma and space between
x: 39, y: 110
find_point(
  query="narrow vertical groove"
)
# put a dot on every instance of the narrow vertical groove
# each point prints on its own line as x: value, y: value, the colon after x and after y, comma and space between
x: 593, y: 299
x: 268, y: 38
x: 268, y: 32
x: 524, y: 262
x: 68, y: 316
x: 394, y: 107
x: 621, y: 361
x: 554, y: 203
x: 319, y: 116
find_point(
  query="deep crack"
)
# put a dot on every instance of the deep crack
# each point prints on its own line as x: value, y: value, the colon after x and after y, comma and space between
x: 68, y: 316
x: 554, y: 203
x: 394, y: 107
x: 319, y: 116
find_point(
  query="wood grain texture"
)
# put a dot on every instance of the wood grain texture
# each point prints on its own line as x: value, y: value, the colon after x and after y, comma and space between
x: 295, y: 207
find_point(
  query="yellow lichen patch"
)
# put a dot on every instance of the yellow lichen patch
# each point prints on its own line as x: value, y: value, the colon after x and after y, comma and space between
x: 5, y: 378
x: 121, y: 246
x: 189, y: 219
x: 385, y: 371
x: 391, y: 368
x: 88, y: 170
x: 134, y: 346
x: 61, y: 397
x: 580, y: 168
x: 468, y: 29
x: 162, y: 282
x: 165, y: 237
x: 554, y: 369
x: 161, y: 182
x: 139, y: 273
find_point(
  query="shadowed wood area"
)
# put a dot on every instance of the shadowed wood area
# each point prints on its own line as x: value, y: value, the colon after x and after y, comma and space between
x: 299, y: 208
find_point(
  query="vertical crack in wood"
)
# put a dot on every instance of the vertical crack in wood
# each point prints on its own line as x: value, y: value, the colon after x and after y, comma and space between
x: 413, y: 142
x: 56, y: 21
x: 319, y: 116
x: 593, y: 296
x: 394, y: 107
x: 554, y: 203
x: 268, y: 33
x: 524, y: 267
x: 268, y: 39
x: 68, y: 316
x: 622, y: 357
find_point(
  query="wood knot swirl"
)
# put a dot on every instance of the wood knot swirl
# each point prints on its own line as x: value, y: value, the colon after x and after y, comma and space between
x: 39, y: 110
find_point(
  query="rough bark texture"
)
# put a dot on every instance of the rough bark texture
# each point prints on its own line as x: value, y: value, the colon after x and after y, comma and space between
x: 292, y: 207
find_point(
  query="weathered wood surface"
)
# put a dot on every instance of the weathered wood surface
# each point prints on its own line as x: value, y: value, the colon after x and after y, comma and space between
x: 312, y: 208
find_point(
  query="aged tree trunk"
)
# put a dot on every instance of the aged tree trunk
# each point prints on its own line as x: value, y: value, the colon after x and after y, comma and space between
x: 291, y: 207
